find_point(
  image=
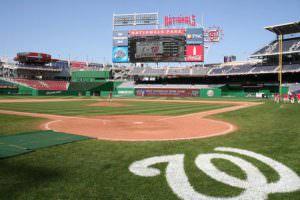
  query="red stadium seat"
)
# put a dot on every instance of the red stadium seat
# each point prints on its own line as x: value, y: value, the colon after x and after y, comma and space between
x: 44, y: 84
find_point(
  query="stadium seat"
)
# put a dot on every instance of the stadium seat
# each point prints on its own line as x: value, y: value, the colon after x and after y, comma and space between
x: 155, y: 71
x: 264, y: 69
x: 43, y: 84
x: 179, y: 71
x: 286, y: 68
x: 240, y: 69
x: 291, y: 44
x: 200, y: 71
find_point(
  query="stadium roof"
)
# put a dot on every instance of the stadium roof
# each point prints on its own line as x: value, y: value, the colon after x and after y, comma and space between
x: 288, y: 28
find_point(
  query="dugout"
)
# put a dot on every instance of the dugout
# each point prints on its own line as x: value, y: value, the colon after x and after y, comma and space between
x: 7, y: 88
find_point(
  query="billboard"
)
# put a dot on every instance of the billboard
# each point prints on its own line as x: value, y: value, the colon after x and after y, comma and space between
x: 120, y: 55
x: 161, y: 32
x: 120, y: 38
x: 167, y: 92
x: 194, y: 35
x: 194, y: 53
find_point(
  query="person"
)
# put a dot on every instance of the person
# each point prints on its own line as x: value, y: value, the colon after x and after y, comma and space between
x: 298, y: 97
x: 292, y: 98
x: 286, y: 98
x: 143, y: 93
x: 110, y: 96
x: 276, y: 98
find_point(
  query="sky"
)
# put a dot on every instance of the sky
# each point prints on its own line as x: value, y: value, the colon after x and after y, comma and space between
x: 82, y: 29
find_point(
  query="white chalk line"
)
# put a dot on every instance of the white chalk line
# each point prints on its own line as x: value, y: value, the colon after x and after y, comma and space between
x: 49, y: 123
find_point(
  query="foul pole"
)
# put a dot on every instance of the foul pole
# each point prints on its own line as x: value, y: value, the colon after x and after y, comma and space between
x: 280, y: 38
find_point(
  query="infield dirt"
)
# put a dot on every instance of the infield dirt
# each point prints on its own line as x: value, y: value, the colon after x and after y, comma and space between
x: 141, y: 127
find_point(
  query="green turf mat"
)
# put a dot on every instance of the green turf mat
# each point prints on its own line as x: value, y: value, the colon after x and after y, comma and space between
x: 26, y: 142
x: 8, y: 150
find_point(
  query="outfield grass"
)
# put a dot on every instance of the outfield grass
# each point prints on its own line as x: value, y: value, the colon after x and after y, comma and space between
x: 135, y: 97
x: 99, y: 169
x: 130, y: 108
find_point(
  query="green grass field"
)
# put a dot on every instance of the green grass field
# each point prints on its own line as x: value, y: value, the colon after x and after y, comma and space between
x: 129, y: 108
x: 94, y: 169
x: 12, y: 124
x: 135, y: 97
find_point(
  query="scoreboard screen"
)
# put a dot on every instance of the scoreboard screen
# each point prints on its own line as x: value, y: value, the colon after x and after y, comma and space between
x: 149, y: 49
x: 156, y: 49
x: 158, y: 45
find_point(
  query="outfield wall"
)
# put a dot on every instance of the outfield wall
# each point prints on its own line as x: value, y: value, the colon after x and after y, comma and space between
x: 125, y: 92
x: 166, y: 92
x: 205, y: 92
x: 176, y: 92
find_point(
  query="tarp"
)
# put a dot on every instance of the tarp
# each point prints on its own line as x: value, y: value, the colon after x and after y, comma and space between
x: 13, y: 145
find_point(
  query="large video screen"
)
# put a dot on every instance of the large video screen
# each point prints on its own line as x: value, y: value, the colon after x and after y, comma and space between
x: 157, y: 48
x: 158, y: 45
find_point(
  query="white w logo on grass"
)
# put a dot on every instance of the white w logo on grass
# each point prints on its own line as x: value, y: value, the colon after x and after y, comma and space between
x: 255, y: 186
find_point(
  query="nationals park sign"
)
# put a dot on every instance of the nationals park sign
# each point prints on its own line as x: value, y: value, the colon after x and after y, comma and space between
x: 181, y: 20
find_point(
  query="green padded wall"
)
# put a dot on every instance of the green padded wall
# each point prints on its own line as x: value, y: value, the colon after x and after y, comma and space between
x: 210, y: 92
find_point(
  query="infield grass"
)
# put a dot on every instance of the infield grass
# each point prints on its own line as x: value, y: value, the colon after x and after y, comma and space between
x: 99, y: 169
x: 12, y: 124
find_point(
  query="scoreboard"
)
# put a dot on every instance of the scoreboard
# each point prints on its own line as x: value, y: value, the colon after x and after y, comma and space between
x: 147, y: 49
x: 159, y: 45
x: 156, y: 49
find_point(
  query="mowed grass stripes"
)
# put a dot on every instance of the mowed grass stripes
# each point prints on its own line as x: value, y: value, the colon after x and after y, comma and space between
x: 129, y: 108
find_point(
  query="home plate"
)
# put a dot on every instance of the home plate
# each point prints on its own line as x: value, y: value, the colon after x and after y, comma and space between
x: 138, y: 122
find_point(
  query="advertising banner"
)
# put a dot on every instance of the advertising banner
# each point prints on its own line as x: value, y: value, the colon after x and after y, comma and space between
x: 167, y: 92
x: 120, y: 42
x: 194, y: 53
x: 120, y: 55
x: 194, y: 35
x: 177, y: 31
x: 120, y: 38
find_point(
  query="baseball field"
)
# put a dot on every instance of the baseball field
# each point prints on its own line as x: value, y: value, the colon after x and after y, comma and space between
x: 151, y: 148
